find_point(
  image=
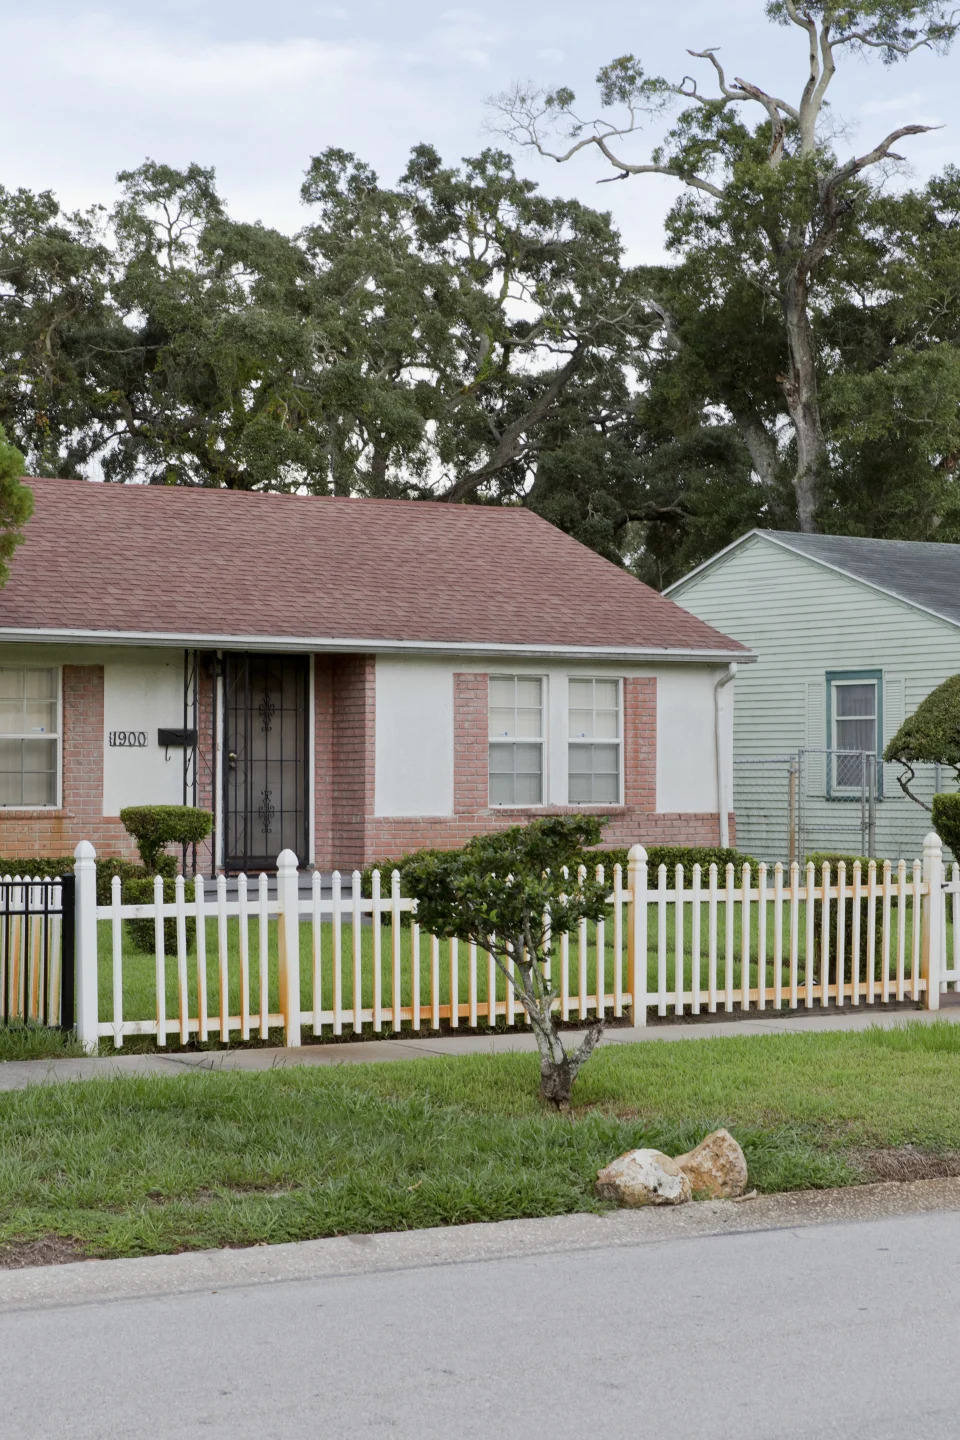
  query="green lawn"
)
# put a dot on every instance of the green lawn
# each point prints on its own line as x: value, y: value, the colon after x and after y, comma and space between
x: 125, y: 1167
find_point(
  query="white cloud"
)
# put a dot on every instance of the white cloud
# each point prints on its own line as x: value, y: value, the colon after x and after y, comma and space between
x: 551, y: 56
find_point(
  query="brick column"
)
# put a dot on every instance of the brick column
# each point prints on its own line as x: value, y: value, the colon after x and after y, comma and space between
x: 354, y: 755
x: 470, y: 744
x: 640, y: 744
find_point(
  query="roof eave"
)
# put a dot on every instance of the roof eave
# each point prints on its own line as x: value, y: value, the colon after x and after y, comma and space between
x: 360, y: 644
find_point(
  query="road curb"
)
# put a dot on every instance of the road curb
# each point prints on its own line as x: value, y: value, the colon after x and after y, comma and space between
x: 94, y: 1281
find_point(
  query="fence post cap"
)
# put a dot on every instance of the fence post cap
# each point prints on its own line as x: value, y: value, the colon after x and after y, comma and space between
x: 286, y: 860
x: 932, y: 841
x: 84, y: 851
x: 637, y: 854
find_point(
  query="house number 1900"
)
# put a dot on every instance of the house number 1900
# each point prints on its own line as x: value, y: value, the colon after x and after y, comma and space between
x: 128, y: 739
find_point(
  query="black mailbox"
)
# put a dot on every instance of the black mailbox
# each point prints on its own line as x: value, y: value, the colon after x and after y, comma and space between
x: 184, y: 739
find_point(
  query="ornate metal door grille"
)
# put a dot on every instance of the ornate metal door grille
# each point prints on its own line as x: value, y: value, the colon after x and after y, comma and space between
x: 265, y: 759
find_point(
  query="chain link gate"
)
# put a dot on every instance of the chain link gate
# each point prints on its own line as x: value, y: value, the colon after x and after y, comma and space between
x: 785, y: 810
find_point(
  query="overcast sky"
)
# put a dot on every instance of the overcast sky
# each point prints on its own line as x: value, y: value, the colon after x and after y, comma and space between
x: 256, y: 88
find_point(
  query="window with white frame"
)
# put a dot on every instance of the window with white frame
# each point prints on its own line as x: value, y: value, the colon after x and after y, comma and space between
x: 854, y: 712
x: 29, y: 736
x: 594, y: 737
x: 516, y: 739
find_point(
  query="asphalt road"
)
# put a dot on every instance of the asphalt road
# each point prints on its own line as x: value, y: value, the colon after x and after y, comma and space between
x: 839, y: 1330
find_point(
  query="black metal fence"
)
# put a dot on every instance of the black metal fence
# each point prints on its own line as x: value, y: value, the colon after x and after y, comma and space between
x: 37, y: 952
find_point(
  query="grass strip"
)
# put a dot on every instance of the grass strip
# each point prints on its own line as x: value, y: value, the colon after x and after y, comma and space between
x: 144, y: 1166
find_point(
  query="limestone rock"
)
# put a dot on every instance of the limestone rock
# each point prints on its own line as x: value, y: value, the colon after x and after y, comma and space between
x: 643, y: 1177
x: 716, y: 1168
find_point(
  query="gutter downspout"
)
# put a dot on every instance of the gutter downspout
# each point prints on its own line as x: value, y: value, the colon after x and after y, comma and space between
x: 723, y: 799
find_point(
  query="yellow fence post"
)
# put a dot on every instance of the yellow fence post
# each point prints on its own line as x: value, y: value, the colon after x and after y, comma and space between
x: 933, y: 908
x: 637, y: 934
x: 288, y: 901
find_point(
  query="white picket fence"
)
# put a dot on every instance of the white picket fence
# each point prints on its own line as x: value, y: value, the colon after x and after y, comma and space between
x: 243, y: 965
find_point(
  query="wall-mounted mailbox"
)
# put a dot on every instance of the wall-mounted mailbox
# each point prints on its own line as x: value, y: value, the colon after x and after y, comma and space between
x: 183, y: 739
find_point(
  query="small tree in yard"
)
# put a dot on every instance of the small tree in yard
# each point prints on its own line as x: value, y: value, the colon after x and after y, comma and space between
x: 510, y: 894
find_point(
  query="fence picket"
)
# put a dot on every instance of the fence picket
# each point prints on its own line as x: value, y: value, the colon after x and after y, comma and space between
x: 778, y: 935
x: 396, y: 938
x: 695, y: 957
x: 825, y: 934
x: 678, y: 939
x: 243, y: 921
x: 885, y: 938
x: 662, y: 940
x: 809, y: 958
x: 200, y: 920
x: 337, y: 957
x: 871, y: 968
x: 728, y: 918
x: 415, y: 975
x: 473, y: 985
x: 183, y: 997
x: 901, y: 928
x: 159, y: 960
x: 263, y: 958
x: 745, y: 937
x: 915, y: 953
x: 376, y: 927
x: 855, y: 935
x: 955, y: 897
x: 600, y: 974
x: 454, y: 961
x: 617, y: 941
x: 356, y: 936
x: 116, y: 930
x: 434, y: 983
x: 316, y: 900
x: 223, y: 956
x: 762, y: 936
x: 712, y: 941
x: 794, y: 934
x: 840, y: 965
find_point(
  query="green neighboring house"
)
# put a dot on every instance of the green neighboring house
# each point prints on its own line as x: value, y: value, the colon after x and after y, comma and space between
x: 850, y: 635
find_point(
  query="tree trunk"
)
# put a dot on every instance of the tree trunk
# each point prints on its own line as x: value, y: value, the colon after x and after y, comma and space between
x: 559, y: 1067
x: 803, y: 403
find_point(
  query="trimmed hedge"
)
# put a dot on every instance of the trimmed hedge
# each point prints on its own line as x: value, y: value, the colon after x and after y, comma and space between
x: 657, y: 855
x: 946, y: 821
x: 154, y: 827
x: 685, y: 855
x: 136, y: 886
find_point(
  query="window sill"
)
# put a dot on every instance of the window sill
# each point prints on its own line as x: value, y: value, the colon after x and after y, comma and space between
x: 32, y: 810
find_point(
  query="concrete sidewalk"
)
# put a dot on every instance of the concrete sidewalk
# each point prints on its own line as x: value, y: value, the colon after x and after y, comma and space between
x: 18, y: 1074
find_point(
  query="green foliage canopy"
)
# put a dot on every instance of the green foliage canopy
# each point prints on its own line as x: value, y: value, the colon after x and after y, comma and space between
x: 931, y: 735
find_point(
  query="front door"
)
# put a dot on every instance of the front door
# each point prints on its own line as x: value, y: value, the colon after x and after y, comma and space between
x: 265, y: 759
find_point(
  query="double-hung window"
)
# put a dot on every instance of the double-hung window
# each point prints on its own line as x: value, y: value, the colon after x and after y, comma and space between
x: 516, y: 740
x: 854, y: 713
x: 594, y: 742
x: 29, y: 736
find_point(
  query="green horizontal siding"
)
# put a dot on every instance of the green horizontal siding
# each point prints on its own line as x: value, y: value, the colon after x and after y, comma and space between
x: 803, y: 620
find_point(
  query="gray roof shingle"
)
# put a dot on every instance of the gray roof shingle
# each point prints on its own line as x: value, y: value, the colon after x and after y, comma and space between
x: 918, y: 571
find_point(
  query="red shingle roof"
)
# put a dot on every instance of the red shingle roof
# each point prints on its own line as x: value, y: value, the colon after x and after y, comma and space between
x: 219, y: 564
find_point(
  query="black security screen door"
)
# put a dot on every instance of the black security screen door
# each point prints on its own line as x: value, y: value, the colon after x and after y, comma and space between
x: 265, y: 759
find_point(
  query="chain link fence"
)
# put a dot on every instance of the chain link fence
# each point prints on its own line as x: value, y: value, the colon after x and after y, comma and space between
x: 789, y: 806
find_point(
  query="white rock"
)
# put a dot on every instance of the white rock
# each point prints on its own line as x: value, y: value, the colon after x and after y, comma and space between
x: 716, y: 1168
x: 644, y: 1177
